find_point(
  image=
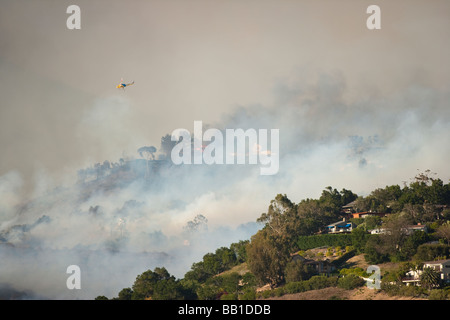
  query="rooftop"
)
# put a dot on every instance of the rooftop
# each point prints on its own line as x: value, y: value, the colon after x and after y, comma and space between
x: 350, y: 205
x: 437, y: 261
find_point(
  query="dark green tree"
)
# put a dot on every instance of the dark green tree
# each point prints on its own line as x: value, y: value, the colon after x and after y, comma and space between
x: 429, y: 278
x: 412, y: 242
x: 347, y: 196
x: 372, y: 222
x: 429, y: 252
x: 197, y: 272
x: 350, y: 282
x: 267, y: 258
x: 359, y: 238
x: 188, y: 289
x: 209, y: 292
x: 239, y: 249
x: 227, y: 258
x: 297, y: 270
x: 125, y: 294
x: 145, y: 283
x: 167, y: 289
x: 373, y: 251
x: 231, y: 282
x: 212, y: 264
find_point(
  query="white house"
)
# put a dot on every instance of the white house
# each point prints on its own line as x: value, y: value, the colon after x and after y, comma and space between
x: 408, y: 230
x: 440, y: 266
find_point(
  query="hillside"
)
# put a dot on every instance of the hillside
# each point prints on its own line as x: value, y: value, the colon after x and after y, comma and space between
x: 333, y: 293
x: 317, y: 249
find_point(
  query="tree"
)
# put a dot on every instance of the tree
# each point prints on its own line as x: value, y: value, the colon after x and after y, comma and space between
x: 227, y: 258
x: 411, y: 244
x: 331, y: 199
x: 430, y: 212
x: 437, y: 294
x: 424, y: 177
x: 312, y: 217
x: 278, y: 215
x: 347, y: 196
x: 167, y: 145
x: 429, y: 252
x: 372, y: 222
x: 199, y: 224
x: 125, y: 294
x: 373, y: 251
x: 249, y: 281
x: 197, y: 273
x: 212, y: 264
x: 350, y: 281
x: 359, y: 238
x: 188, y: 289
x: 147, y: 152
x: 145, y: 283
x: 239, y: 249
x: 443, y: 232
x: 232, y: 282
x: 167, y: 289
x: 393, y: 239
x: 297, y: 270
x: 208, y: 292
x: 446, y: 214
x: 414, y: 212
x: 429, y: 278
x: 267, y: 258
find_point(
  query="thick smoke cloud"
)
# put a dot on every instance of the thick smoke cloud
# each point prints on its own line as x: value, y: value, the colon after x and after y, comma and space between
x: 117, y: 221
x: 369, y: 110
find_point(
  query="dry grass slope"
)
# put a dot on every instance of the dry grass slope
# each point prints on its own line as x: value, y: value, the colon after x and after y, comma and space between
x: 362, y: 293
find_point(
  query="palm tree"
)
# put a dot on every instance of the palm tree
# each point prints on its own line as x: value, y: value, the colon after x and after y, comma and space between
x: 429, y: 278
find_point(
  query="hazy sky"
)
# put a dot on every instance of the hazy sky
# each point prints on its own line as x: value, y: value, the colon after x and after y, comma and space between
x: 355, y: 108
x: 191, y: 60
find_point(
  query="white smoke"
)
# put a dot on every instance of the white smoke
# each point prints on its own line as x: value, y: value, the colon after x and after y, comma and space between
x: 118, y: 225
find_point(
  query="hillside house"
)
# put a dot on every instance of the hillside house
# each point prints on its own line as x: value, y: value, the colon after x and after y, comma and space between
x: 408, y: 229
x: 343, y: 226
x: 349, y: 207
x: 366, y: 214
x: 320, y: 267
x: 441, y: 266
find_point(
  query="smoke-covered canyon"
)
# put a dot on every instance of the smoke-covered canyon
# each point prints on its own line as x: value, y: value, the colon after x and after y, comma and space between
x: 120, y: 218
x: 85, y: 179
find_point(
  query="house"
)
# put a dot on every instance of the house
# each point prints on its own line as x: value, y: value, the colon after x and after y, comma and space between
x: 418, y: 227
x: 366, y: 214
x: 378, y: 231
x: 440, y: 266
x: 319, y: 267
x: 408, y: 230
x: 349, y: 207
x: 340, y: 227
